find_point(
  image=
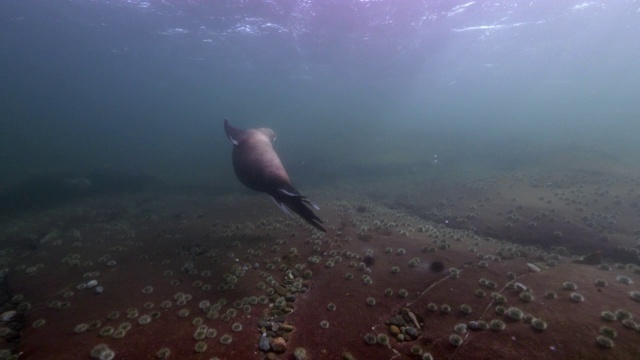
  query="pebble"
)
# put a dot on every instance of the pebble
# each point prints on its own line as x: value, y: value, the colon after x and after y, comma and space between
x: 286, y: 327
x: 398, y: 321
x: 411, y: 332
x: 263, y: 344
x: 92, y: 283
x: 279, y: 345
x: 263, y: 323
x: 98, y: 290
x: 394, y: 330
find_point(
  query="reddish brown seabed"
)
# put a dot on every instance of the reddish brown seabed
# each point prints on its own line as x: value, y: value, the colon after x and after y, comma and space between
x: 237, y: 247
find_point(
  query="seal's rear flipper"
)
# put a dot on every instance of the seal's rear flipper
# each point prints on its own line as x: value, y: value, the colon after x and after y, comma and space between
x: 281, y: 206
x: 289, y: 196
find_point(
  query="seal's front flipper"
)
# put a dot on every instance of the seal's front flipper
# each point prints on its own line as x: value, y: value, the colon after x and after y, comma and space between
x: 289, y: 196
x: 235, y: 135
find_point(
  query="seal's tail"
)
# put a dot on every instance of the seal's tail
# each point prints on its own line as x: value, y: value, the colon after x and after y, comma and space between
x: 288, y: 197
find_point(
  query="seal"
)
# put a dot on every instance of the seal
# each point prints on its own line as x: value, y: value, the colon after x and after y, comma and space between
x: 258, y: 167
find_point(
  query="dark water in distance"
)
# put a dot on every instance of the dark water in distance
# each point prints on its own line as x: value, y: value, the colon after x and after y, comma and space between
x: 348, y: 86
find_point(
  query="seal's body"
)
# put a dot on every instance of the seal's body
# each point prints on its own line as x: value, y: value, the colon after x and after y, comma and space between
x: 258, y: 167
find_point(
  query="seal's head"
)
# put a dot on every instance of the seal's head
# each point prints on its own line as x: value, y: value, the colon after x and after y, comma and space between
x: 237, y: 136
x: 268, y: 133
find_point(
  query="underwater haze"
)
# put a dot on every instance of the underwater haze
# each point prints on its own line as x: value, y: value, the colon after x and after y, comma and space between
x: 462, y: 179
x: 350, y: 87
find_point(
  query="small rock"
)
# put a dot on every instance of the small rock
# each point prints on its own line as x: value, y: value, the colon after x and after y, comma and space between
x: 263, y: 323
x: 397, y: 321
x: 394, y: 330
x: 263, y: 344
x: 92, y: 283
x: 98, y: 290
x: 279, y: 345
x: 411, y: 332
x: 286, y: 327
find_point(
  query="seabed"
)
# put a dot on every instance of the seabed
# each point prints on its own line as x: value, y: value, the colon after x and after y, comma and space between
x: 398, y: 253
